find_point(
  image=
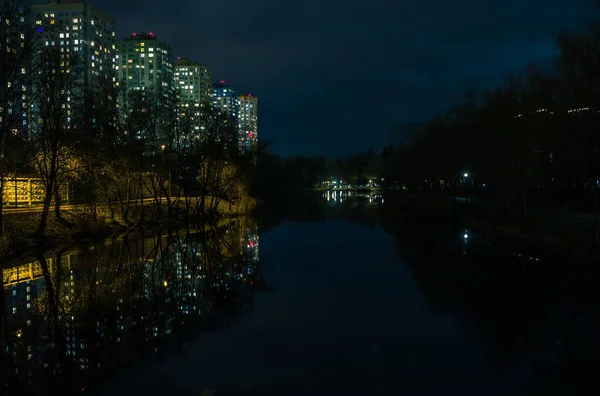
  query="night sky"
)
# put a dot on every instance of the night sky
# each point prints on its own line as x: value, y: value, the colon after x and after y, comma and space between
x: 333, y: 75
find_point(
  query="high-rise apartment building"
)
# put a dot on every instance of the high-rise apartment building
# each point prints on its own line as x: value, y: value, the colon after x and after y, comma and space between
x: 145, y: 63
x: 84, y: 35
x: 145, y: 67
x: 194, y: 83
x: 248, y: 121
x: 75, y: 40
x: 225, y: 101
x: 15, y: 66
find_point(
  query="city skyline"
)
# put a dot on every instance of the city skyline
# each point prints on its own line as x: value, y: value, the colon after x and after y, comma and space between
x: 140, y: 62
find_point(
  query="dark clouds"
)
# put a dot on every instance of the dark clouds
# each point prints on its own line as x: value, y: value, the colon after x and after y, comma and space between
x: 333, y: 75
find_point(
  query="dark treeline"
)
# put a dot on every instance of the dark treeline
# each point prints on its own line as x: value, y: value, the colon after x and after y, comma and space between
x: 534, y: 136
x: 94, y: 141
x: 305, y: 172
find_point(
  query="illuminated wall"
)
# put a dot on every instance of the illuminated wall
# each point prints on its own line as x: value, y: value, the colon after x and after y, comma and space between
x: 23, y: 191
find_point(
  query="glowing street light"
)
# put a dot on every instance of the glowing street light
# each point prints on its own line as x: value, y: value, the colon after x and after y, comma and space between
x: 466, y: 175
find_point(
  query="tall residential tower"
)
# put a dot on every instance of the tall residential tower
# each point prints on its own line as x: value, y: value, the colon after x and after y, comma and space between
x: 193, y: 83
x: 84, y: 35
x: 145, y: 67
x: 76, y: 40
x: 225, y: 100
x: 145, y: 63
x: 248, y: 121
x: 15, y: 50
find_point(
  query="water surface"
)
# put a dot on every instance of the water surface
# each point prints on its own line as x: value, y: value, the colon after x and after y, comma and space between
x: 343, y: 296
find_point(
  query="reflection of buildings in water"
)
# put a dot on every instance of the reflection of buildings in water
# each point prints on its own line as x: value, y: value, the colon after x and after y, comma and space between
x: 139, y: 291
x: 252, y: 255
x: 24, y: 285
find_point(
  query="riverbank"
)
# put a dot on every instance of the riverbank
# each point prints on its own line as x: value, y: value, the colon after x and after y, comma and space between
x: 551, y: 232
x: 75, y: 226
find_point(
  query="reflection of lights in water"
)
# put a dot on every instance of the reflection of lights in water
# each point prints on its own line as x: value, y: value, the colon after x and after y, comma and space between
x: 466, y: 236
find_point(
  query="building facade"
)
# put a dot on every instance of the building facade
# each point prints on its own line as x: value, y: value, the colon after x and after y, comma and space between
x: 15, y: 94
x: 85, y: 37
x: 225, y: 101
x: 248, y: 121
x: 145, y: 67
x: 145, y: 63
x: 193, y: 83
x: 76, y: 41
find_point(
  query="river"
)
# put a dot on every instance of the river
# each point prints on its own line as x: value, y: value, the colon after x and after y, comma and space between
x: 329, y: 295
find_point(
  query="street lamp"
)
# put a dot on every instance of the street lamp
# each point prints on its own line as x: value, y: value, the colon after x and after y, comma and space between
x: 466, y: 175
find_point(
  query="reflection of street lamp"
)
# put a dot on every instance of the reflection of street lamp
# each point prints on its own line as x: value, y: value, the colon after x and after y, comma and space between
x: 163, y: 148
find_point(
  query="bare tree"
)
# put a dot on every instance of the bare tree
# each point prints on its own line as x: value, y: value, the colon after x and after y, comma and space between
x: 56, y: 123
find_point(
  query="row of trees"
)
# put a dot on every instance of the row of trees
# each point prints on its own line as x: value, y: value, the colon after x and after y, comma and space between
x: 104, y: 143
x: 535, y: 132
